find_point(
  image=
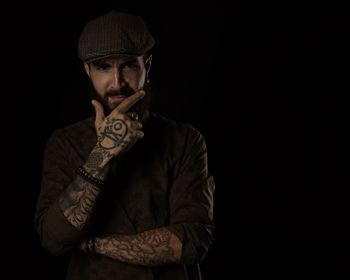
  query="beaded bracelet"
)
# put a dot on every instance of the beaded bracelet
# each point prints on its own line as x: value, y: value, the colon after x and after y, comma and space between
x: 89, y: 178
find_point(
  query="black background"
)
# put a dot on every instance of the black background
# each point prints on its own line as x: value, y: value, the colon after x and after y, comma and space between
x: 263, y: 85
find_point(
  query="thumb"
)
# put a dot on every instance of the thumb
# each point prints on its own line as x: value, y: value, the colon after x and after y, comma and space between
x: 100, y: 115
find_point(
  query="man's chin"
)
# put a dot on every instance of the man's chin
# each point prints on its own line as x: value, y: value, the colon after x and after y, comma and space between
x: 112, y: 106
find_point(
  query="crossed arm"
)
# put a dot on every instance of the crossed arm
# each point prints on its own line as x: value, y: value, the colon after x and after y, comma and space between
x: 149, y: 248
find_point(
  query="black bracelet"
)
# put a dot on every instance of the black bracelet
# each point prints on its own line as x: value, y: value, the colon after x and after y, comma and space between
x: 89, y: 178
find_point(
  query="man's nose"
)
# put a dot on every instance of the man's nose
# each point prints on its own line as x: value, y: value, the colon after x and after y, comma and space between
x: 117, y: 79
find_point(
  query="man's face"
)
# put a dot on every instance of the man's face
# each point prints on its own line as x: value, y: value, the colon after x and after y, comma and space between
x: 116, y: 78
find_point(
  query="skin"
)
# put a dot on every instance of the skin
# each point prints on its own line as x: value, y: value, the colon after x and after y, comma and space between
x: 149, y: 248
x: 118, y: 82
x: 118, y: 75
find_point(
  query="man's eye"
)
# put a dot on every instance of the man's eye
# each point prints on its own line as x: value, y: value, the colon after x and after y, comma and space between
x: 132, y: 65
x: 102, y: 67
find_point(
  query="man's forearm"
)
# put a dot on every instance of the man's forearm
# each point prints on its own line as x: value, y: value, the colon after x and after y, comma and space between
x: 78, y: 200
x: 149, y: 248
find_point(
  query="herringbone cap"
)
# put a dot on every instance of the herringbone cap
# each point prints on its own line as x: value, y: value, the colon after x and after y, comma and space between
x: 112, y: 34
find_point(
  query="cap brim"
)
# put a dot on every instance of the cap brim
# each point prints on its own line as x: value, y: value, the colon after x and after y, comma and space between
x: 100, y: 57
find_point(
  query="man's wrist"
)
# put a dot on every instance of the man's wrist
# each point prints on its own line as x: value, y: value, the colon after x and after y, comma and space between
x: 99, y: 173
x: 93, y: 180
x: 97, y: 163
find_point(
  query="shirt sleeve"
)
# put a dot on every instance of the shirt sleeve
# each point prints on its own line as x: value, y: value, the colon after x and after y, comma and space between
x: 57, y: 235
x: 191, y: 200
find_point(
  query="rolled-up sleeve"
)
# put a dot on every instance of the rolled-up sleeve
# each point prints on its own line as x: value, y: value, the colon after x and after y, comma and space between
x: 191, y: 199
x: 57, y: 235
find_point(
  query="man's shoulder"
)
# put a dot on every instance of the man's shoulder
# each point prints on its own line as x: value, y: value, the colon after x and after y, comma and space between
x: 172, y: 127
x: 78, y: 130
x: 85, y: 124
x: 177, y: 137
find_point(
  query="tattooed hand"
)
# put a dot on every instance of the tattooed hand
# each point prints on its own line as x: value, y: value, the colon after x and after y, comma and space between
x: 116, y: 133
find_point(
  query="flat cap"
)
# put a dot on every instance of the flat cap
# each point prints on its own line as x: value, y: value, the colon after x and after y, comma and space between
x: 112, y: 34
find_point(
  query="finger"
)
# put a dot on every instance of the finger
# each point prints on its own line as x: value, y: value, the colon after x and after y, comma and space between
x: 130, y: 101
x: 100, y: 115
x: 139, y: 134
x: 136, y: 125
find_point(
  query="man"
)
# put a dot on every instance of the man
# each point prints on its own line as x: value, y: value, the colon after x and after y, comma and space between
x: 125, y: 193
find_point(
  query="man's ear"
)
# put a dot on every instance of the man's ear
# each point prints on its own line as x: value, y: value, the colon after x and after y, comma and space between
x: 148, y: 63
x: 87, y: 69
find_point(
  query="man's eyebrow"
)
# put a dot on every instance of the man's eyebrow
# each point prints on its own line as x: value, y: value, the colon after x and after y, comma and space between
x: 129, y: 59
x: 101, y: 63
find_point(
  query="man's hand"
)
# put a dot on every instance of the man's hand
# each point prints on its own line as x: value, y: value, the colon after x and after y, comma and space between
x: 116, y: 133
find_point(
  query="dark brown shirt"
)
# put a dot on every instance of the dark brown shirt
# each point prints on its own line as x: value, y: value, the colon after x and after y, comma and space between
x: 162, y: 181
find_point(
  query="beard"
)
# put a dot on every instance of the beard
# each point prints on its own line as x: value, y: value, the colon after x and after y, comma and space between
x: 141, y: 107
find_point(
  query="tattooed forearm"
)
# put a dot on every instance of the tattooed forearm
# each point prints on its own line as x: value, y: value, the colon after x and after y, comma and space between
x: 97, y: 163
x: 95, y: 159
x: 77, y: 202
x: 149, y: 248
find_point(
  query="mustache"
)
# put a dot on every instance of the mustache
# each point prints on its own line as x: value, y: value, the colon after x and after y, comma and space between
x: 122, y: 91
